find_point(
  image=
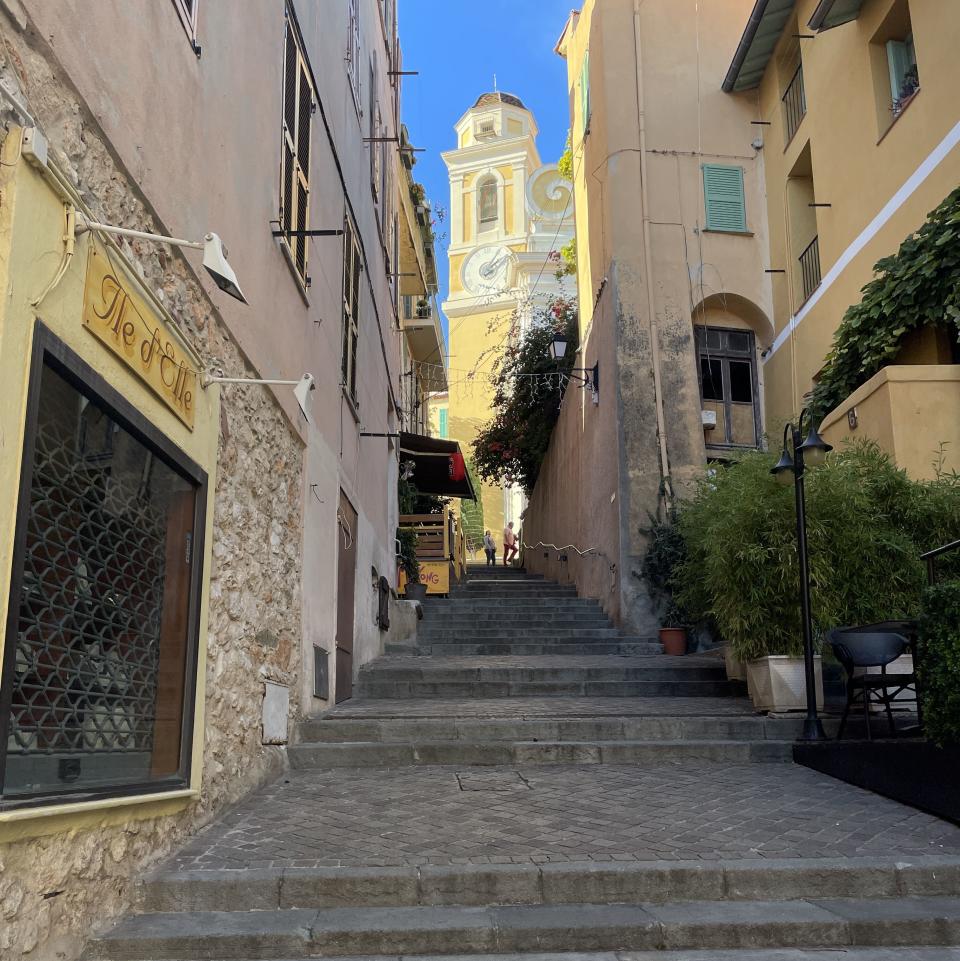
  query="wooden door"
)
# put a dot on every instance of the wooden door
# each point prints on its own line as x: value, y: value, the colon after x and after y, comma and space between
x: 346, y: 582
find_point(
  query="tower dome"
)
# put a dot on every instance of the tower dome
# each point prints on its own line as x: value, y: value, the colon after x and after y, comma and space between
x: 491, y: 99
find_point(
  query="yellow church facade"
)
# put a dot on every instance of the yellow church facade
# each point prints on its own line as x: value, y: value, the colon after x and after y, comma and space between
x: 508, y: 213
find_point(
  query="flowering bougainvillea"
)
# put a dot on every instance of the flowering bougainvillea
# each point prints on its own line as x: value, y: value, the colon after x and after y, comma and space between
x: 528, y: 389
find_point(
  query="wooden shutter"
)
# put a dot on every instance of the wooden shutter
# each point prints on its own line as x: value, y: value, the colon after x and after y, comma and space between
x: 351, y: 308
x: 585, y: 91
x: 295, y: 162
x: 723, y: 198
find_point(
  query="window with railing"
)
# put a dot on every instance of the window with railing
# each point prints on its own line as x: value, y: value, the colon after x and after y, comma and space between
x: 810, y: 267
x: 794, y: 103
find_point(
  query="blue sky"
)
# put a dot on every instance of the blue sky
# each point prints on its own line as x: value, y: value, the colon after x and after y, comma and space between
x: 457, y: 47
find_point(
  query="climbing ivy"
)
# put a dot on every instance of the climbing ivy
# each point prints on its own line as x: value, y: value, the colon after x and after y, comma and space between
x: 917, y: 287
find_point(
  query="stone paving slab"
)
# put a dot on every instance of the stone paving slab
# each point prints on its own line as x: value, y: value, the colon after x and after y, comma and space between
x: 793, y: 954
x: 522, y: 708
x: 683, y: 811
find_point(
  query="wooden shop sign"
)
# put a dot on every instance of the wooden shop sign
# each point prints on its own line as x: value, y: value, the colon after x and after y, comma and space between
x: 121, y: 318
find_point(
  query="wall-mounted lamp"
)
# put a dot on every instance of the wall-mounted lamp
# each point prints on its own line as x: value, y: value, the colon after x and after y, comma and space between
x: 214, y: 253
x: 588, y: 376
x: 301, y: 387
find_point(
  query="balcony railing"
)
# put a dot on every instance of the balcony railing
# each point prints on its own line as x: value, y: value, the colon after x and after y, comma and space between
x: 810, y: 267
x: 795, y: 103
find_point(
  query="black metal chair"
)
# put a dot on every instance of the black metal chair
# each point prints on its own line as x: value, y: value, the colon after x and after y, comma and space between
x: 859, y: 648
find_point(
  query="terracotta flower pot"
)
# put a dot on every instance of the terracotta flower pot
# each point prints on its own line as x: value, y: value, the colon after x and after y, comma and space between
x: 674, y: 640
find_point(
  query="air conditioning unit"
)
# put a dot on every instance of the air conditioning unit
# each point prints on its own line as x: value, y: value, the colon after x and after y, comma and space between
x: 709, y: 419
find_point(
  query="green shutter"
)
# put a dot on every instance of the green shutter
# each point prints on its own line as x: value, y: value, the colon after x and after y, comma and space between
x: 585, y: 91
x: 723, y: 198
x: 443, y: 421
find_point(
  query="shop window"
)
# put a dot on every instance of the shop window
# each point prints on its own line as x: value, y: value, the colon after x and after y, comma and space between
x: 298, y: 101
x: 99, y: 668
x: 352, y: 268
x: 723, y: 198
x: 728, y: 386
x: 489, y: 203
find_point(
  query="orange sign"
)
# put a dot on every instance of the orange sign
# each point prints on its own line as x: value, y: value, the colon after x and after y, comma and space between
x: 435, y: 574
x: 119, y: 317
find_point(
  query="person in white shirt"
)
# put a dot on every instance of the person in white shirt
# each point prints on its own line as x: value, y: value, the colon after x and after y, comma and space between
x: 510, y: 549
x: 490, y: 549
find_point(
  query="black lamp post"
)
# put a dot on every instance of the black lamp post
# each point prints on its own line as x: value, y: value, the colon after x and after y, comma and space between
x: 811, y: 451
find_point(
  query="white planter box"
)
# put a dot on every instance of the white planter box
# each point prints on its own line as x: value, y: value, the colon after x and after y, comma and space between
x: 736, y: 670
x: 777, y: 683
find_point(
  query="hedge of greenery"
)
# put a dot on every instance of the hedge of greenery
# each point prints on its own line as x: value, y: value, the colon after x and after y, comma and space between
x: 867, y: 525
x: 940, y: 662
x: 917, y: 287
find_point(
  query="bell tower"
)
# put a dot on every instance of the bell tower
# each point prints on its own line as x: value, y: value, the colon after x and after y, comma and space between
x: 508, y: 213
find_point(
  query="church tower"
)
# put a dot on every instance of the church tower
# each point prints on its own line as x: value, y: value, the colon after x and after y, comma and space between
x: 508, y: 213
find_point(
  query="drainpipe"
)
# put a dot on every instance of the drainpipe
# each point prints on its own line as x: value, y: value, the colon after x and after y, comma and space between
x: 648, y: 267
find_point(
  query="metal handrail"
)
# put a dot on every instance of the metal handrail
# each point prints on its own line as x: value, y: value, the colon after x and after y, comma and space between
x: 589, y: 550
x: 931, y: 556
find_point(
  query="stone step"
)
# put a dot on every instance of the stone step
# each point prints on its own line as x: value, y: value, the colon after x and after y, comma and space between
x: 333, y: 729
x: 352, y: 932
x: 495, y: 619
x: 521, y: 753
x: 475, y: 634
x: 530, y: 603
x: 402, y: 690
x: 618, y: 649
x: 520, y: 630
x: 478, y: 885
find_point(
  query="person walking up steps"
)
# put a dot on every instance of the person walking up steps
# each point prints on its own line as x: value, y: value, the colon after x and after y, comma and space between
x: 510, y: 548
x: 490, y: 549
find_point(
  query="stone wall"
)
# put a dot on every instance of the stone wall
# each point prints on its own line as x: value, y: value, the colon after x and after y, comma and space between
x: 55, y: 889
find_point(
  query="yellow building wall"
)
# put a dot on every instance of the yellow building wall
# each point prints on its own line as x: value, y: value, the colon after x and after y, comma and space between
x: 860, y: 160
x: 476, y: 341
x: 31, y: 246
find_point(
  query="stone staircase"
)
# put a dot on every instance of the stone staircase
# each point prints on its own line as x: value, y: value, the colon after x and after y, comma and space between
x: 513, y: 676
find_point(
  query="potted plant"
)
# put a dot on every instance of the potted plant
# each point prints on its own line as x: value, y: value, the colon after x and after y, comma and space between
x: 423, y: 309
x: 410, y: 565
x: 660, y: 566
x: 673, y: 634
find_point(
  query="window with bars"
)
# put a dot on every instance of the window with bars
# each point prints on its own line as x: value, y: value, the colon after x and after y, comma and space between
x: 723, y: 198
x: 298, y: 102
x: 100, y: 660
x: 352, y: 268
x: 353, y: 51
x: 728, y: 385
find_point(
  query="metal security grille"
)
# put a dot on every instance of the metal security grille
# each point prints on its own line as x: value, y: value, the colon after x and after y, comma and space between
x: 90, y: 614
x: 810, y: 267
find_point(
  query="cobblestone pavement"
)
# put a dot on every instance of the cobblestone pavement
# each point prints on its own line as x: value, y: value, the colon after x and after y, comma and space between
x: 524, y: 707
x: 495, y: 815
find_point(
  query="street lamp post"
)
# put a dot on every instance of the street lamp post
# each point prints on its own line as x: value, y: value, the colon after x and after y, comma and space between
x: 813, y: 451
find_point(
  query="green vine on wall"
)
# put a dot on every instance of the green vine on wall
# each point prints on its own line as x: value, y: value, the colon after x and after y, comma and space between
x: 917, y: 287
